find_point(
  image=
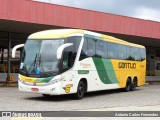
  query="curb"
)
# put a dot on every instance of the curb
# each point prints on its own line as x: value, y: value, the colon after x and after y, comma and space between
x: 154, y: 82
x: 8, y: 84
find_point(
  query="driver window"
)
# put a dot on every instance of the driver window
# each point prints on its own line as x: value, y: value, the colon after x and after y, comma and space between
x: 69, y: 53
x: 88, y: 49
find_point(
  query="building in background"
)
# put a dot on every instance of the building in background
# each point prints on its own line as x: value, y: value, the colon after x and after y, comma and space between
x: 20, y: 18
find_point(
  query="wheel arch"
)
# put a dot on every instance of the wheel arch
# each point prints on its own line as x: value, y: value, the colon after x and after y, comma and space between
x: 85, y: 82
x: 129, y: 78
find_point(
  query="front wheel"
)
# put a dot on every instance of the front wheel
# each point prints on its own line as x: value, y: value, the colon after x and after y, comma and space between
x: 80, y: 91
x: 46, y: 95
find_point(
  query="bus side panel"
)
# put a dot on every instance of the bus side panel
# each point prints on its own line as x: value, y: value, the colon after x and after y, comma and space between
x: 103, y: 74
x: 67, y: 82
x: 94, y: 70
x: 86, y: 70
x: 124, y: 69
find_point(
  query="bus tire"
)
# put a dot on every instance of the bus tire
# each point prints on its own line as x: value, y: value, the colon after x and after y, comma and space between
x: 80, y: 91
x: 46, y: 95
x: 128, y: 85
x: 134, y: 84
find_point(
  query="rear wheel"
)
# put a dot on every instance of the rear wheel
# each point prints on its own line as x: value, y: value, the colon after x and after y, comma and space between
x: 128, y: 85
x: 134, y: 84
x: 80, y: 91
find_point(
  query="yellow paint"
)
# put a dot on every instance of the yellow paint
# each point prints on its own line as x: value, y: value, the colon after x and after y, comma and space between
x: 62, y: 33
x: 27, y: 79
x: 123, y: 73
x: 68, y: 87
x: 116, y: 40
x: 85, y: 65
x: 50, y: 34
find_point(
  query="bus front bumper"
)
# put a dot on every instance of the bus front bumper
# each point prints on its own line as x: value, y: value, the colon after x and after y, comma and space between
x: 53, y: 89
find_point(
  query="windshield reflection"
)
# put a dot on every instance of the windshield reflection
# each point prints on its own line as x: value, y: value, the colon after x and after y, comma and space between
x: 40, y: 57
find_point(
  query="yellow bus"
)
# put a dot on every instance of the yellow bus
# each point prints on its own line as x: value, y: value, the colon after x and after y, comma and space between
x: 75, y: 61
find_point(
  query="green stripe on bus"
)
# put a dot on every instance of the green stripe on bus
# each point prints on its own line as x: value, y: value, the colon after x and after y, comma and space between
x: 110, y: 71
x: 43, y: 80
x: 105, y: 70
x: 101, y: 70
x: 83, y: 71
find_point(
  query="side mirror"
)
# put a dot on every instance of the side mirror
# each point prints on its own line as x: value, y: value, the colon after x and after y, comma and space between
x: 61, y: 48
x: 15, y: 48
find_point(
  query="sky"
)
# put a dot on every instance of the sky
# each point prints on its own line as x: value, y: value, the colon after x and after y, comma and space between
x: 144, y: 9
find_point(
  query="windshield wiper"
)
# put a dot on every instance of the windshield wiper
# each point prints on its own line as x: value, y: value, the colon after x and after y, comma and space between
x: 33, y: 64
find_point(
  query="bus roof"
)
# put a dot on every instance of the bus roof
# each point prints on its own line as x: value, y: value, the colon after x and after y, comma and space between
x: 56, y: 33
x: 62, y: 33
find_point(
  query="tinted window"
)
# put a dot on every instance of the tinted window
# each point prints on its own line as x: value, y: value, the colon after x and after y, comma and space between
x: 143, y: 54
x: 130, y: 53
x: 70, y: 53
x: 109, y: 50
x: 91, y: 47
x: 137, y: 54
x: 88, y: 49
x: 112, y: 50
x: 101, y: 49
x: 122, y: 52
x: 75, y: 41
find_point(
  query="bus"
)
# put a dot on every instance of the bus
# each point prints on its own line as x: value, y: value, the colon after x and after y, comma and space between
x: 75, y: 61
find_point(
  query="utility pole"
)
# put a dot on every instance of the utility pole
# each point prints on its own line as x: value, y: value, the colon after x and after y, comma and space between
x: 8, y: 59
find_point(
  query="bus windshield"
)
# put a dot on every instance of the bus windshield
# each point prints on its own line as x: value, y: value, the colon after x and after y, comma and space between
x: 39, y: 58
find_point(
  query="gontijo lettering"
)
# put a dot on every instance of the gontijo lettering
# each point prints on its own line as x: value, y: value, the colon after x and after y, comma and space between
x: 127, y: 65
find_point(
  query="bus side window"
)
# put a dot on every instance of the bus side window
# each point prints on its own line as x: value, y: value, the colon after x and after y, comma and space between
x: 112, y: 50
x: 88, y: 49
x: 143, y: 54
x: 101, y: 49
x: 122, y: 49
x: 130, y: 53
x: 91, y: 47
x: 68, y: 58
x: 70, y: 53
x: 137, y: 54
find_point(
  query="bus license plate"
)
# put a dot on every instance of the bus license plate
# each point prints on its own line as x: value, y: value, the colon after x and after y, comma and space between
x: 35, y: 89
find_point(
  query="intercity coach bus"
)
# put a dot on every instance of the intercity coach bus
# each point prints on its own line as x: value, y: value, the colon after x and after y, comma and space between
x: 75, y: 61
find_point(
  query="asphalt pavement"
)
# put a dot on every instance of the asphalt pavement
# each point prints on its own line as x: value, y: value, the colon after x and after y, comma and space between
x: 145, y: 98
